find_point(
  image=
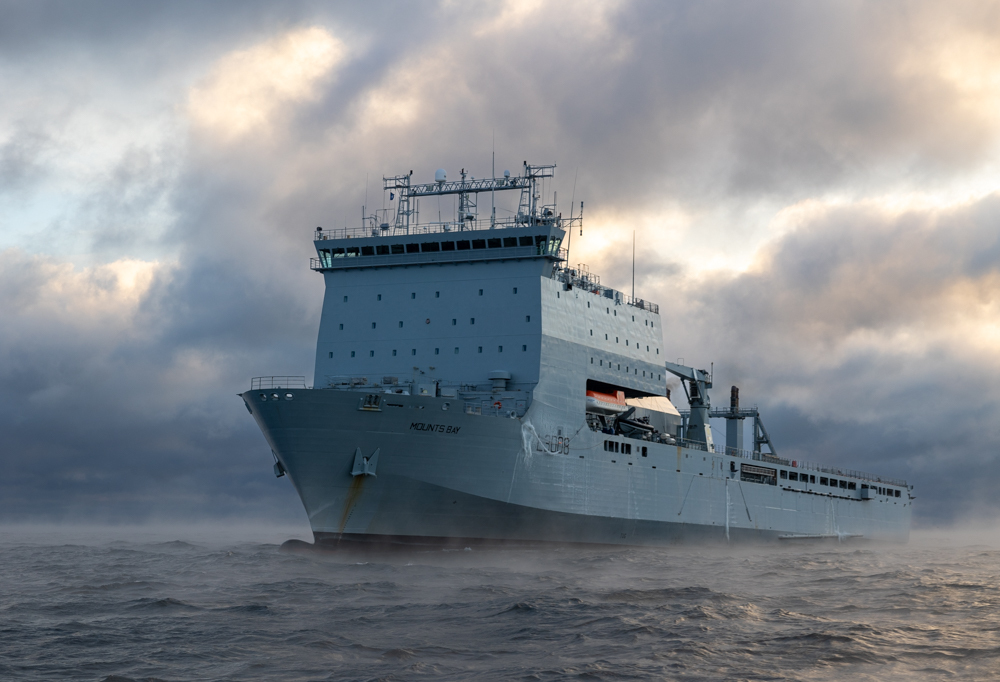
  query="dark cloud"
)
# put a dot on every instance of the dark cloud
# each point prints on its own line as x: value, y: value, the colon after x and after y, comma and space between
x: 870, y: 341
x: 120, y: 400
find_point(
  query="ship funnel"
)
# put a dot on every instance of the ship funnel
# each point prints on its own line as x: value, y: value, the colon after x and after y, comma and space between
x: 734, y: 399
x: 499, y: 378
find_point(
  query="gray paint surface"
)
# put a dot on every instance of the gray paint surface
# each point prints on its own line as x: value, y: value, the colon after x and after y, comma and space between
x: 473, y: 459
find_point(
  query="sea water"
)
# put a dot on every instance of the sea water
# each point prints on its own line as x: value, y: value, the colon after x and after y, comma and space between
x: 184, y: 605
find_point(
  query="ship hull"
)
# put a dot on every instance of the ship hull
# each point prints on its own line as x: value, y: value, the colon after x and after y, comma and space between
x: 442, y: 476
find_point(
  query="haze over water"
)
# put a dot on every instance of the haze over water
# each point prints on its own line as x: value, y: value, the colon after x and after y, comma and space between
x: 159, y: 606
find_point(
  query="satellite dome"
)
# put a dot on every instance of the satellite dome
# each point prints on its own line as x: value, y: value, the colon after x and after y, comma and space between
x: 506, y: 174
x: 440, y: 175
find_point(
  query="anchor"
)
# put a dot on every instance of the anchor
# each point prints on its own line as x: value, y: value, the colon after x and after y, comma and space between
x: 365, y: 466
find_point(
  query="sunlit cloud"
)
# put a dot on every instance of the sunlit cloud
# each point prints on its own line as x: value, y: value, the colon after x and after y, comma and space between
x: 246, y: 87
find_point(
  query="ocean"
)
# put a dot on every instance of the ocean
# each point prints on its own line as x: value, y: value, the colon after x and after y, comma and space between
x: 190, y: 604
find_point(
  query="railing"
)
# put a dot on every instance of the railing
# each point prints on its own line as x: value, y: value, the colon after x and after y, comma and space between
x: 266, y: 383
x: 645, y: 305
x: 851, y: 473
x: 359, y: 260
x: 798, y: 464
x: 586, y: 281
x: 390, y: 230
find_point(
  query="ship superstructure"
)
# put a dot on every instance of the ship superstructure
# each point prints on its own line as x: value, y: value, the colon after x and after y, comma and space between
x: 471, y: 386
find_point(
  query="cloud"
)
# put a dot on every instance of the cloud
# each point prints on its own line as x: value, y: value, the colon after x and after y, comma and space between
x: 247, y: 87
x: 812, y: 190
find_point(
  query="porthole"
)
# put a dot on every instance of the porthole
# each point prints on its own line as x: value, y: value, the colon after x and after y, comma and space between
x: 263, y: 396
x: 445, y: 406
x: 275, y: 396
x: 288, y: 396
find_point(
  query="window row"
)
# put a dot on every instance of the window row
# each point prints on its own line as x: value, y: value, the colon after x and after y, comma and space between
x: 888, y: 492
x: 615, y: 446
x: 413, y: 295
x: 543, y: 245
x: 437, y: 351
x: 618, y: 368
x: 634, y: 345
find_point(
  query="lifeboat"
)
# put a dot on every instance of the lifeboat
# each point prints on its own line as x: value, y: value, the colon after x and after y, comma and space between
x: 606, y: 403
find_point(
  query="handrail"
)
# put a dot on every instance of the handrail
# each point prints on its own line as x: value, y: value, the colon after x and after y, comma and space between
x: 503, y: 253
x: 797, y: 464
x: 429, y: 228
x: 262, y: 383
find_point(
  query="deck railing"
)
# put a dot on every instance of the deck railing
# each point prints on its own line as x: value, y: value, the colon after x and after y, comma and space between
x: 267, y: 383
x: 797, y: 464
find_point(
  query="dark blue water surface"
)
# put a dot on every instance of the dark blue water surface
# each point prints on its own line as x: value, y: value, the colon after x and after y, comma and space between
x: 190, y: 606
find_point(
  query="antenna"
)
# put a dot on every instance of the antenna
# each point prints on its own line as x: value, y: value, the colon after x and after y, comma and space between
x: 493, y: 192
x: 633, y: 266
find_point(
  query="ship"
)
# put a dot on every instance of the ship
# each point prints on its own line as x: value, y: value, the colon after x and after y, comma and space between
x: 471, y: 387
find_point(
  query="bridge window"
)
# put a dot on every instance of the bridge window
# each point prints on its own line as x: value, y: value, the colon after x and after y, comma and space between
x: 812, y: 479
x: 852, y: 486
x: 341, y: 326
x: 463, y: 245
x: 843, y: 484
x: 479, y: 243
x: 393, y: 352
x: 480, y: 349
x: 437, y: 351
x: 472, y: 320
x: 643, y: 450
x: 437, y: 294
x: 382, y: 249
x: 823, y: 481
x: 413, y: 294
x: 345, y: 299
x: 515, y: 290
x: 413, y: 351
x: 524, y: 347
x: 833, y: 483
x: 373, y: 325
x: 480, y: 292
x: 499, y: 349
x: 526, y: 241
x: 793, y: 476
x: 494, y: 243
x: 352, y: 353
x: 353, y: 251
x: 447, y: 246
x: 413, y: 248
x: 527, y: 318
x: 897, y: 493
x: 509, y: 241
x: 430, y: 246
x: 784, y: 474
x: 371, y: 353
x: 400, y: 324
x: 397, y: 248
x: 367, y: 250
x: 454, y: 322
x: 331, y: 355
x: 456, y: 350
x: 379, y: 297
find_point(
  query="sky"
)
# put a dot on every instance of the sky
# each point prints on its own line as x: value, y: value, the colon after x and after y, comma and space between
x: 812, y: 188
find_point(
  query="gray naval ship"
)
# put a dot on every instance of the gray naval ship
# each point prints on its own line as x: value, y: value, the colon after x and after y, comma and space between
x: 471, y: 387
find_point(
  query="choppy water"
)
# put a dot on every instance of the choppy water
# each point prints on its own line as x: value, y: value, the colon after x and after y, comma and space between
x: 214, y: 610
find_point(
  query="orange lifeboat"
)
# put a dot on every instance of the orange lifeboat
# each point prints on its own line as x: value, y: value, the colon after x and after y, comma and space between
x: 605, y: 403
